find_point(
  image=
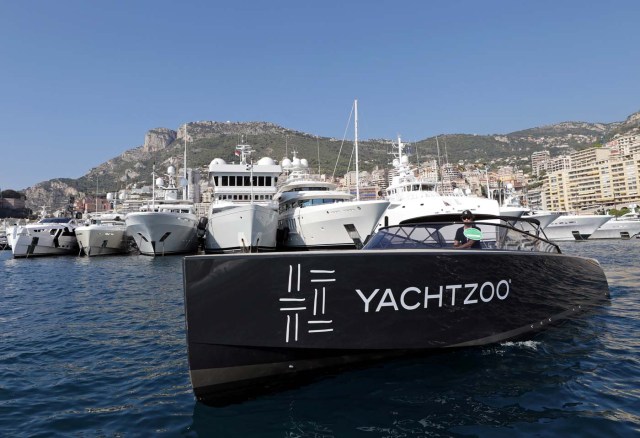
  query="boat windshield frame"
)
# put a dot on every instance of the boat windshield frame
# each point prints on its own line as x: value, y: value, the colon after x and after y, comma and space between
x: 498, y: 235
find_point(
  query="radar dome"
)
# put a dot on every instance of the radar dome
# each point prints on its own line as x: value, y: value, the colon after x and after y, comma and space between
x: 404, y: 159
x: 122, y: 196
x: 304, y: 162
x: 109, y: 196
x: 159, y: 182
x: 396, y: 162
x: 216, y: 162
x: 266, y: 161
x: 286, y: 163
x: 171, y: 170
x: 183, y: 182
x: 295, y: 162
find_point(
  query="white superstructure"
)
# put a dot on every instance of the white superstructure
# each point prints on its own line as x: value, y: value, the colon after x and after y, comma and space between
x: 411, y: 197
x: 49, y: 236
x: 314, y: 215
x: 164, y: 226
x: 242, y: 216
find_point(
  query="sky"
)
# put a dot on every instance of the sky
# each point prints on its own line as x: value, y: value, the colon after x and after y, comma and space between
x: 83, y: 81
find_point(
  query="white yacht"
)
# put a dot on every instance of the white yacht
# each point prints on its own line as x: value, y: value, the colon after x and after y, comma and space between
x: 575, y: 227
x: 626, y: 226
x: 103, y: 234
x: 411, y: 197
x: 48, y: 236
x: 242, y: 216
x: 167, y: 225
x: 315, y: 215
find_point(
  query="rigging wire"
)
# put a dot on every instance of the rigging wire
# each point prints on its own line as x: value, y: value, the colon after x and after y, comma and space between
x: 342, y: 143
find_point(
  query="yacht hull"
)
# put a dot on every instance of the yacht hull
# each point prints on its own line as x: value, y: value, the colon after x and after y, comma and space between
x: 330, y: 226
x: 161, y: 233
x: 30, y: 243
x: 307, y: 313
x: 97, y: 240
x: 241, y: 228
x: 618, y: 229
x: 574, y: 227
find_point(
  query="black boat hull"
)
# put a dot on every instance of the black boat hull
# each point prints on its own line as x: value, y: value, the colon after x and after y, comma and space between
x: 263, y: 319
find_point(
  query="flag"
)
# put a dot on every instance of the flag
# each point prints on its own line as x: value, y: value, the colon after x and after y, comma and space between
x: 237, y: 152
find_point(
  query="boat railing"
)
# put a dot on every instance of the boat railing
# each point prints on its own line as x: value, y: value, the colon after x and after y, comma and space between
x: 495, y: 235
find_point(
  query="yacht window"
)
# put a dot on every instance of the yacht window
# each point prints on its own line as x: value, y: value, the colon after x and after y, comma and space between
x: 416, y: 187
x: 246, y: 181
x: 261, y: 181
x: 225, y: 180
x: 215, y: 180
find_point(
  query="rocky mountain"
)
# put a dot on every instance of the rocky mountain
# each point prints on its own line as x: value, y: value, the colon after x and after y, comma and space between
x: 207, y: 140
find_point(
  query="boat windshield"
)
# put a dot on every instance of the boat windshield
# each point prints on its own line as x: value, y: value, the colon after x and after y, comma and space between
x: 55, y: 220
x: 492, y: 234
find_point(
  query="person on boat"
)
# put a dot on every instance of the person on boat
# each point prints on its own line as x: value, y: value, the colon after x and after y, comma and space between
x: 461, y: 241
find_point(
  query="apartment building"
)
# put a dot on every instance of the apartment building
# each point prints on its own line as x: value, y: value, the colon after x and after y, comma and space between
x: 608, y: 183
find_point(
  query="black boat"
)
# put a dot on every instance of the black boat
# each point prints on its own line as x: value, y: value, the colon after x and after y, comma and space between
x: 257, y: 321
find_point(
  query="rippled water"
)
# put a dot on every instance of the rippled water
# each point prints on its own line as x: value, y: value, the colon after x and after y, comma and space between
x: 97, y: 347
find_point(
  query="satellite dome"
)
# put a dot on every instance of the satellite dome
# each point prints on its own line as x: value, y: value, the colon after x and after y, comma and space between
x: 266, y: 161
x: 171, y: 170
x: 159, y: 182
x: 109, y: 196
x: 286, y: 163
x: 122, y: 196
x: 396, y: 162
x: 304, y: 162
x: 184, y: 182
x: 404, y: 159
x: 295, y: 162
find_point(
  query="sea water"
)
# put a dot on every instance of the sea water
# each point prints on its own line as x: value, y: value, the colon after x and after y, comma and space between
x: 96, y: 347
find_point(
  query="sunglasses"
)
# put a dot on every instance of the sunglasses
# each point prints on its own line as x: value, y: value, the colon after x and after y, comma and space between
x: 464, y: 218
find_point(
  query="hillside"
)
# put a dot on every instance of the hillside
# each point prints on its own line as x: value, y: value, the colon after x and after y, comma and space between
x: 208, y: 140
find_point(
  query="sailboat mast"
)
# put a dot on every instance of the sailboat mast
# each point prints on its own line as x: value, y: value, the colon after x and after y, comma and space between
x: 186, y: 187
x: 438, y: 170
x: 356, y: 147
x: 96, y: 193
